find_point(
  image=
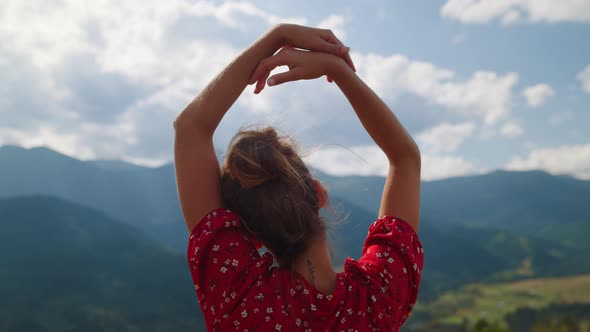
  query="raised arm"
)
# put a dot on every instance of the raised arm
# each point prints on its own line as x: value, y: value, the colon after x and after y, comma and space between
x: 195, y: 162
x: 196, y: 165
x: 401, y: 194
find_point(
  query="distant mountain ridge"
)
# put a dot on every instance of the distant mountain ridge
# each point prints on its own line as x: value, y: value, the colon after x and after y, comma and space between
x: 70, y: 268
x: 528, y: 202
x: 148, y: 195
x: 476, y: 227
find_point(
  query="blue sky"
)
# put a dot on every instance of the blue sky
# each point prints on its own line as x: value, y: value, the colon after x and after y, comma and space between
x: 480, y: 85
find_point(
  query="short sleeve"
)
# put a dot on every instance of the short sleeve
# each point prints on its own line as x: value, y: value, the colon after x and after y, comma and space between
x: 221, y: 257
x: 392, y: 262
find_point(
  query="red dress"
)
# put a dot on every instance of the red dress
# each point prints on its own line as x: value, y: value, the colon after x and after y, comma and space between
x: 240, y: 290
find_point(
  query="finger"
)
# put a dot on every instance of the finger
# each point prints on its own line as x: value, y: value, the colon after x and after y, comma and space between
x: 289, y: 76
x: 331, y: 38
x: 345, y: 55
x: 268, y: 64
x: 261, y: 82
x: 262, y: 67
x: 348, y: 60
x: 329, y: 79
x: 333, y: 48
x: 330, y: 44
x: 257, y: 72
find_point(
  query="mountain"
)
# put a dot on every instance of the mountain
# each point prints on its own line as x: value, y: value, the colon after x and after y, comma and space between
x: 456, y: 254
x: 141, y: 196
x: 70, y: 268
x: 496, y: 226
x: 530, y: 202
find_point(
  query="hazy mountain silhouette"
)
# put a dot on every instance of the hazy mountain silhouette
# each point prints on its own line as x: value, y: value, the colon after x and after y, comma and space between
x: 473, y: 228
x: 70, y: 268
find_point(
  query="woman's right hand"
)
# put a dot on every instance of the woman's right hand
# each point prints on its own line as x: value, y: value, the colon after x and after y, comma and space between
x: 303, y: 65
x: 307, y: 38
x: 314, y: 39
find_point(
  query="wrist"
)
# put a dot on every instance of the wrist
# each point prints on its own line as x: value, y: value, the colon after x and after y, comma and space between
x: 277, y: 35
x: 339, y: 70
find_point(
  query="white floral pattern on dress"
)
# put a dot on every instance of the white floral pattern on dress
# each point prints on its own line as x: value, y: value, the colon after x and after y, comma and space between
x: 241, y: 290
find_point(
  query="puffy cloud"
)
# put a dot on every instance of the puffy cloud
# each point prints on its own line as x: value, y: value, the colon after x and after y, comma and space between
x: 584, y: 78
x: 66, y: 143
x: 440, y: 167
x: 566, y: 159
x: 370, y: 160
x: 486, y: 94
x: 538, y: 94
x: 511, y: 11
x: 231, y: 13
x: 121, y: 71
x: 112, y: 85
x: 445, y: 137
x: 359, y: 160
x: 511, y: 130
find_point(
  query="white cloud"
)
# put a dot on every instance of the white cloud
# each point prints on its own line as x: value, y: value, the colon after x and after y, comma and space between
x: 228, y: 13
x: 445, y: 137
x: 110, y: 76
x: 538, y: 94
x: 440, y: 167
x: 355, y: 160
x: 486, y: 94
x: 66, y: 143
x: 370, y: 160
x: 584, y: 78
x: 512, y: 11
x: 511, y: 130
x: 566, y: 159
x: 167, y: 51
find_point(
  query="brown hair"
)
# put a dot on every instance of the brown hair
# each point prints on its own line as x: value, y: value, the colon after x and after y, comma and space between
x: 264, y: 180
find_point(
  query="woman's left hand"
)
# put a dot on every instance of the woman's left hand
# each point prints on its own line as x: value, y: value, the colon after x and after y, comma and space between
x: 303, y: 65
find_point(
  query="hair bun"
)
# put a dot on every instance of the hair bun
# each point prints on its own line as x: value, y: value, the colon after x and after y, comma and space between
x: 259, y: 156
x: 264, y: 180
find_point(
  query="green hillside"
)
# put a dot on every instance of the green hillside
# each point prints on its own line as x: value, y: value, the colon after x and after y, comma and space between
x: 69, y: 268
x: 495, y: 227
x: 141, y: 196
x: 485, y: 220
x: 455, y: 254
x: 503, y: 302
x: 531, y: 203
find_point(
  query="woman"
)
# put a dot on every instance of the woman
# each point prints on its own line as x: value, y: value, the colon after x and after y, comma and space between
x: 264, y: 194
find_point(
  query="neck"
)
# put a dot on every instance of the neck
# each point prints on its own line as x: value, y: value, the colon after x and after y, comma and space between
x: 315, y: 265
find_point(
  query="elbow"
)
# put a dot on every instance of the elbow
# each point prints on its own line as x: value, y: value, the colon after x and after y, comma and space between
x: 180, y: 123
x: 410, y: 157
x: 184, y: 126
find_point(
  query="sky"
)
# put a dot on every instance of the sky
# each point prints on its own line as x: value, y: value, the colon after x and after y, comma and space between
x: 480, y: 85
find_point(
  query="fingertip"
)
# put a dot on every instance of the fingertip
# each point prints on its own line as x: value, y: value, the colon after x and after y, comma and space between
x: 271, y: 81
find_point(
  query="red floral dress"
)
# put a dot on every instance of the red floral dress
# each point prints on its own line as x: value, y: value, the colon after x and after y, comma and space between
x: 240, y: 290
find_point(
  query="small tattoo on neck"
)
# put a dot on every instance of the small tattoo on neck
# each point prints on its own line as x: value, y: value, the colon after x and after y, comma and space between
x: 310, y: 271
